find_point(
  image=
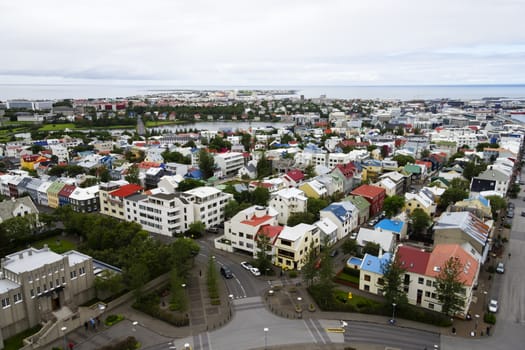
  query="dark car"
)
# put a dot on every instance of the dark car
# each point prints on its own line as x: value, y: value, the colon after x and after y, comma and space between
x: 226, y: 272
x: 334, y: 253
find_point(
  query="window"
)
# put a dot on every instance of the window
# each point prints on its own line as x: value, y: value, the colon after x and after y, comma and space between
x: 73, y: 274
x: 367, y: 278
x: 63, y: 280
x: 427, y: 294
x: 38, y: 290
x: 433, y: 296
x: 57, y: 282
x: 429, y: 283
x: 82, y: 271
x: 5, y: 302
x: 17, y: 297
x: 431, y: 306
x: 32, y: 293
x: 420, y: 280
x: 367, y: 287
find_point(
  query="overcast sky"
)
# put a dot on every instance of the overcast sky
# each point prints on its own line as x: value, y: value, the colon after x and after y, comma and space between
x: 266, y: 42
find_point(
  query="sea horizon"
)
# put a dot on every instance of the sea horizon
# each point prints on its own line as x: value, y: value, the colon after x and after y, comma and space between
x: 34, y: 91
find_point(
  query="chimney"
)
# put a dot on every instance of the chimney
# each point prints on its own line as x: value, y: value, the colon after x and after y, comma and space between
x: 30, y: 252
x: 21, y: 255
x: 46, y: 248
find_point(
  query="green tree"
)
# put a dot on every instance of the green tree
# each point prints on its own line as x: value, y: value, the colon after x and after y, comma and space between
x: 315, y: 205
x: 196, y: 229
x: 425, y: 153
x: 179, y: 298
x: 496, y: 204
x: 309, y: 171
x: 206, y: 163
x: 449, y: 287
x: 298, y: 218
x: 473, y: 169
x: 309, y: 271
x: 263, y: 260
x: 393, y: 287
x: 108, y: 282
x: 450, y: 196
x: 189, y: 184
x: 459, y: 183
x: 420, y: 220
x: 211, y: 279
x: 260, y: 196
x: 371, y: 248
x: 350, y: 246
x: 393, y: 205
x: 246, y: 141
x: 231, y: 208
x: 264, y: 167
x: 403, y: 160
x: 481, y: 146
x: 325, y: 283
x: 133, y: 175
x: 183, y: 251
x: 136, y: 276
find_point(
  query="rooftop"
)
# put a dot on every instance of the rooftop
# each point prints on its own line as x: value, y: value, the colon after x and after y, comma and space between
x: 368, y: 191
x: 126, y: 190
x: 375, y: 264
x: 390, y: 225
x: 294, y: 233
x: 30, y: 259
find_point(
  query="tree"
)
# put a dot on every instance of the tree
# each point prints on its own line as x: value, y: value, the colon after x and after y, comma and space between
x: 206, y: 163
x: 264, y: 167
x: 263, y: 260
x: 403, y: 160
x: 231, y: 208
x: 371, y: 248
x: 133, y: 175
x: 350, y: 246
x: 136, y: 276
x: 481, y: 146
x: 496, y: 204
x: 189, y: 184
x: 449, y: 287
x: 393, y: 287
x: 420, y: 220
x: 109, y: 282
x: 325, y: 283
x: 260, y: 196
x: 425, y: 153
x: 196, y: 229
x: 183, y: 250
x: 393, y: 205
x: 179, y: 298
x: 459, y: 183
x: 315, y: 205
x: 298, y: 218
x: 246, y: 141
x: 309, y: 171
x: 473, y: 169
x: 452, y: 195
x: 309, y: 271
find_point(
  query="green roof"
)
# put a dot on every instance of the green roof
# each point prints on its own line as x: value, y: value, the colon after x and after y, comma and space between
x: 55, y: 187
x: 359, y: 202
x: 412, y: 169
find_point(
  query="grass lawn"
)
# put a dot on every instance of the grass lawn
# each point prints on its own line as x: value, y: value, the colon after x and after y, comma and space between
x: 349, y: 278
x: 53, y: 127
x: 152, y: 124
x: 57, y: 244
x: 357, y: 300
x: 16, y: 341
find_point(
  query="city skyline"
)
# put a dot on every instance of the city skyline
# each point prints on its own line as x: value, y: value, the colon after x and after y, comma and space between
x: 271, y: 43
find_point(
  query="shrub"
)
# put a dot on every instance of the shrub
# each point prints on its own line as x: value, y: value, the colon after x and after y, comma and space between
x: 112, y: 319
x: 311, y: 307
x: 489, y: 318
x: 149, y: 304
x: 129, y: 343
x: 292, y: 274
x: 215, y: 301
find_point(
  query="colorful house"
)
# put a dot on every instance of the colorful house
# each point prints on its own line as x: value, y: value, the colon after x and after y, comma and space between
x: 374, y: 195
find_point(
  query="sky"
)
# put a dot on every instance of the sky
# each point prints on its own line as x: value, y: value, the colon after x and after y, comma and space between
x: 270, y: 42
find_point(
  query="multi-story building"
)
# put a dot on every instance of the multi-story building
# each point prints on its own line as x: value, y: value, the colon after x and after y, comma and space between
x: 243, y: 227
x: 85, y: 200
x: 112, y: 195
x: 373, y: 194
x: 208, y: 204
x: 293, y: 245
x: 423, y: 267
x: 42, y: 193
x: 491, y: 180
x: 344, y: 215
x: 36, y: 282
x: 52, y: 194
x: 286, y: 202
x: 65, y: 192
x: 230, y: 163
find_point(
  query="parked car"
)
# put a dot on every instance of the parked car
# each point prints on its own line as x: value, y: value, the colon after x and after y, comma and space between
x: 500, y: 268
x: 510, y: 214
x: 511, y: 205
x: 255, y: 271
x: 353, y: 235
x: 334, y: 253
x: 246, y: 265
x: 214, y: 230
x: 226, y: 272
x: 493, y: 305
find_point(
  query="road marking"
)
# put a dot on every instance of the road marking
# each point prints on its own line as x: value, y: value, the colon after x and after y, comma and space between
x: 318, y: 336
x: 316, y: 339
x: 335, y: 330
x: 240, y: 285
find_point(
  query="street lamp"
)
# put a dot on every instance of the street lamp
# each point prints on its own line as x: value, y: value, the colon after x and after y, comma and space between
x: 266, y: 338
x: 393, y: 320
x: 135, y: 323
x: 64, y: 329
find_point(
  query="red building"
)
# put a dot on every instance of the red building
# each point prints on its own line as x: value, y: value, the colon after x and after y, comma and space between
x: 373, y: 194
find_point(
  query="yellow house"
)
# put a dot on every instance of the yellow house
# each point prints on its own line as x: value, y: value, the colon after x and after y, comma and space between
x: 293, y: 245
x: 52, y: 194
x: 29, y: 161
x: 372, y: 172
x: 314, y: 189
x: 419, y: 201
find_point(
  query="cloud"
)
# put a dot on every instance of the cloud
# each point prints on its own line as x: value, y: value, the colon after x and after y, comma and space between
x: 271, y: 42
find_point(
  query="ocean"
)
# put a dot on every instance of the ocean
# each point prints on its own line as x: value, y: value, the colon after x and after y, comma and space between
x: 398, y: 92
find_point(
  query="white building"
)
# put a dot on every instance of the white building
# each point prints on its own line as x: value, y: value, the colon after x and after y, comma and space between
x: 288, y: 201
x: 294, y: 244
x: 230, y: 163
x: 208, y: 204
x: 344, y: 215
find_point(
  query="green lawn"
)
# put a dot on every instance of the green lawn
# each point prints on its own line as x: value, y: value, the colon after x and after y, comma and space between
x: 16, y: 341
x: 349, y: 278
x: 57, y: 244
x: 53, y: 127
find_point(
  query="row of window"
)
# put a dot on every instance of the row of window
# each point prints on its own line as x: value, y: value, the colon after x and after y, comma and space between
x: 51, y: 286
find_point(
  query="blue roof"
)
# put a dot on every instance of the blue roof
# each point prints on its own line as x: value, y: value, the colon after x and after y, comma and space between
x: 339, y: 210
x: 353, y: 261
x: 390, y: 225
x: 484, y: 201
x: 374, y: 264
x: 194, y: 174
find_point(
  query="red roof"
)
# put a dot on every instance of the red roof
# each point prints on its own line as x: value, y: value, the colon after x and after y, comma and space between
x: 413, y: 259
x: 443, y: 252
x: 348, y: 170
x: 126, y: 190
x: 368, y: 191
x: 147, y: 165
x: 270, y: 231
x: 261, y: 184
x: 425, y: 163
x: 257, y: 220
x: 67, y: 190
x: 295, y: 175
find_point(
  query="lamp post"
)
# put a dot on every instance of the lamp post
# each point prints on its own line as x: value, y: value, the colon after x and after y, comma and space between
x: 266, y: 338
x: 134, y: 323
x: 393, y: 320
x: 64, y: 329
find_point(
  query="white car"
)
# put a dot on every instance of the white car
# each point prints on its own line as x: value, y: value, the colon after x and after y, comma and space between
x: 493, y: 305
x: 246, y: 265
x: 500, y: 268
x: 255, y: 271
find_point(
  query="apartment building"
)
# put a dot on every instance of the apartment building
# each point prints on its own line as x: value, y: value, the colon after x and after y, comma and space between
x: 230, y: 163
x: 286, y: 202
x: 36, y: 282
x: 112, y: 196
x: 85, y: 200
x: 344, y: 215
x: 208, y: 204
x: 293, y: 245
